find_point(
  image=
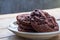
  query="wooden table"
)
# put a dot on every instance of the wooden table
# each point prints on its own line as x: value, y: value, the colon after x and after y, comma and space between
x: 6, y: 19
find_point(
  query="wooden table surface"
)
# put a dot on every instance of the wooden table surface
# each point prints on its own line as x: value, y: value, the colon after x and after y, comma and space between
x: 6, y: 19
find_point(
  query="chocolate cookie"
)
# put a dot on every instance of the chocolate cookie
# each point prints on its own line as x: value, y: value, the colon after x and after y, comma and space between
x: 25, y: 27
x: 25, y: 30
x: 43, y: 22
x: 23, y: 22
x: 37, y: 21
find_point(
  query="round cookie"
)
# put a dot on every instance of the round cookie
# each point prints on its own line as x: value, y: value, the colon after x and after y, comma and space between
x: 25, y: 27
x: 23, y: 21
x: 25, y: 30
x: 43, y: 22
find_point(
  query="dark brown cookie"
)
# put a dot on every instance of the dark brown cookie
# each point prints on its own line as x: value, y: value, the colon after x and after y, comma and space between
x: 43, y: 23
x: 37, y: 21
x: 42, y: 28
x: 25, y: 27
x: 23, y: 22
x: 25, y: 30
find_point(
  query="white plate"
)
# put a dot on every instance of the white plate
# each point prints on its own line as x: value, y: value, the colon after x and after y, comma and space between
x: 13, y: 27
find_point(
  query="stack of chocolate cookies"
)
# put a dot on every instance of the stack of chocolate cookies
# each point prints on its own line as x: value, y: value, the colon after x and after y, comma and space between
x: 37, y: 21
x: 24, y: 24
